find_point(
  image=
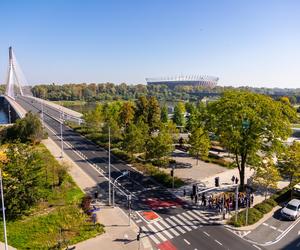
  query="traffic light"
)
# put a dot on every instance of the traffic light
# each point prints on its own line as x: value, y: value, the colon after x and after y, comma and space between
x: 172, y: 172
x: 217, y: 184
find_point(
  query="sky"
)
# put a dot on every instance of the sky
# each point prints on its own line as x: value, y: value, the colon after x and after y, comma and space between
x: 254, y: 43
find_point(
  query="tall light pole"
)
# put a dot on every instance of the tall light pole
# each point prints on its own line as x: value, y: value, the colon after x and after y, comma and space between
x: 109, y: 180
x: 3, y: 211
x: 61, y: 137
x: 42, y: 114
x: 9, y: 115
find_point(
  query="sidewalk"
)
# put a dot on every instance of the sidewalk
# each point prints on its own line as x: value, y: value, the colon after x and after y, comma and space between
x: 118, y: 234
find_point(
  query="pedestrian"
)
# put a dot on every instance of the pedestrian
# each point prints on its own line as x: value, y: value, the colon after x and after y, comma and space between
x: 236, y: 180
x: 196, y: 199
x: 96, y: 194
x: 252, y: 199
x: 233, y: 179
x: 184, y: 192
x: 192, y: 196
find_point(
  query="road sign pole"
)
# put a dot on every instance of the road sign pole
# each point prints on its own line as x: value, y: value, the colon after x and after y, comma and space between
x: 3, y: 211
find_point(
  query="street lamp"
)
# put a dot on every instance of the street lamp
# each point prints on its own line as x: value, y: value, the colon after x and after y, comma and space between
x: 42, y: 114
x: 114, y: 183
x: 9, y: 115
x: 3, y: 211
x: 61, y: 137
x: 109, y: 179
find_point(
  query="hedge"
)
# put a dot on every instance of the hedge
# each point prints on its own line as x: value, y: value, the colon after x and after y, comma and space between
x: 254, y: 215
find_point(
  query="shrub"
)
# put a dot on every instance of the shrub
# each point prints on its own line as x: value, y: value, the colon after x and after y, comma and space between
x: 254, y: 215
x: 263, y: 207
x: 271, y: 202
x: 121, y: 154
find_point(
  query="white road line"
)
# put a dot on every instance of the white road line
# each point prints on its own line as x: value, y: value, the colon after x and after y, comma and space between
x: 187, y: 242
x: 150, y: 235
x: 281, y: 231
x: 138, y: 221
x: 206, y: 233
x: 189, y: 218
x: 163, y: 230
x: 273, y: 227
x: 175, y: 225
x: 256, y: 247
x: 265, y: 224
x: 197, y: 217
x: 218, y: 242
x: 156, y: 232
x: 184, y: 219
x: 298, y: 232
x: 170, y: 227
x: 181, y: 223
x: 201, y: 215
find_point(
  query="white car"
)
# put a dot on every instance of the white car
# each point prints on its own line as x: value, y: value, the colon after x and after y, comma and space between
x: 292, y: 210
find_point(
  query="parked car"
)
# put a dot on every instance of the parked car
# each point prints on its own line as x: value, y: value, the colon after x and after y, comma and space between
x: 292, y: 210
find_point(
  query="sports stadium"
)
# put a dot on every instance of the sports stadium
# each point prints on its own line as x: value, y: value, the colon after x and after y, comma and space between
x: 192, y: 80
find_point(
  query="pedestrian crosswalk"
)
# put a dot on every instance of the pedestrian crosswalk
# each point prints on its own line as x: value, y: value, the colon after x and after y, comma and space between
x: 176, y: 225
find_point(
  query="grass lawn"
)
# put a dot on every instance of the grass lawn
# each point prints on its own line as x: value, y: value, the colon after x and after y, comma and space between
x: 56, y: 219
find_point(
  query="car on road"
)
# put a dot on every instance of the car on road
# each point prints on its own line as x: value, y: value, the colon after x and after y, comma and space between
x: 292, y: 210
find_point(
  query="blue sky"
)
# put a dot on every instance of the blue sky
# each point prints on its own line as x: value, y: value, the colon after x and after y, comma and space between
x: 253, y: 43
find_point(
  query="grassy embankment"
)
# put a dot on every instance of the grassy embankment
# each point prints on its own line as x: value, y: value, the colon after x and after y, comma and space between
x: 58, y: 218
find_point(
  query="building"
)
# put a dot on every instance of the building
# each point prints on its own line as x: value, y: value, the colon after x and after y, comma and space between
x: 194, y: 80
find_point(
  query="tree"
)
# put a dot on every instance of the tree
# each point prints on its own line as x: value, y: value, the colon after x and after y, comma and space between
x: 178, y: 116
x: 290, y: 162
x: 160, y: 145
x: 200, y: 143
x: 266, y: 175
x: 23, y: 179
x: 135, y: 138
x: 141, y: 109
x: 164, y: 114
x: 27, y: 129
x: 94, y: 118
x: 153, y: 114
x: 126, y: 114
x: 248, y: 123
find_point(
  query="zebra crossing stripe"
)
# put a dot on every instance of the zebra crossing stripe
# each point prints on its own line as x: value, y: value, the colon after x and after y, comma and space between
x: 184, y: 219
x: 170, y: 227
x: 157, y: 233
x: 202, y: 220
x: 163, y: 230
x: 192, y: 220
x: 201, y: 215
x: 181, y: 223
x: 152, y: 237
x: 175, y: 225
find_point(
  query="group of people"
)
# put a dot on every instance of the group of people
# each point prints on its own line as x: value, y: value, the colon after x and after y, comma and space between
x: 223, y: 202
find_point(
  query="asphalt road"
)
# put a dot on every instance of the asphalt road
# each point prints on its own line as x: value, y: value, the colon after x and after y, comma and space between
x: 182, y: 225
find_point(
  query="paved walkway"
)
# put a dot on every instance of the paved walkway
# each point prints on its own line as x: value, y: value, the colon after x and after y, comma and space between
x: 118, y: 235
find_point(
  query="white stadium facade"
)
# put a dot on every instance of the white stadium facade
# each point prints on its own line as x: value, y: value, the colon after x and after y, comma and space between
x: 192, y: 80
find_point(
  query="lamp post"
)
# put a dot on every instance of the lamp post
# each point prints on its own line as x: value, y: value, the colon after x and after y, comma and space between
x: 61, y: 137
x: 42, y: 114
x: 3, y: 211
x: 113, y: 193
x: 9, y: 115
x: 109, y: 181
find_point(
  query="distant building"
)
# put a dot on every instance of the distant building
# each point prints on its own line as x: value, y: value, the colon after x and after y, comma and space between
x: 195, y: 80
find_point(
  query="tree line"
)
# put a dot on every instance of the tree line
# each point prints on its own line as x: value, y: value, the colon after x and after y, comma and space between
x: 250, y: 126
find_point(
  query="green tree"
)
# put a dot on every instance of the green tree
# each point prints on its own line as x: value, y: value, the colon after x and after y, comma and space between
x: 94, y: 118
x: 290, y: 162
x: 141, y: 111
x: 164, y: 114
x: 135, y: 138
x: 248, y: 123
x: 23, y: 179
x: 160, y: 145
x: 27, y: 129
x: 200, y: 143
x: 266, y: 175
x: 126, y: 114
x: 178, y: 116
x: 153, y: 113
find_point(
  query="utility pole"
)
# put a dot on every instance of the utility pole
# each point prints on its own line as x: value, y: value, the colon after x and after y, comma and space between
x: 3, y: 211
x: 42, y: 108
x: 61, y: 137
x: 236, y: 201
x: 109, y: 180
x: 9, y: 115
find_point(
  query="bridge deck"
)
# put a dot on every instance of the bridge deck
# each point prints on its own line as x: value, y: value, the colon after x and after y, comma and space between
x: 17, y: 107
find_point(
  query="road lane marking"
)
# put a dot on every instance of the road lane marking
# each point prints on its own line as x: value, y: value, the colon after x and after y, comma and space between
x: 157, y: 233
x: 273, y: 227
x: 265, y: 224
x: 187, y: 242
x: 145, y: 231
x: 206, y: 233
x: 175, y: 225
x: 182, y: 224
x: 170, y: 227
x: 163, y: 230
x: 256, y: 247
x: 200, y: 219
x: 184, y: 220
x: 218, y: 242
